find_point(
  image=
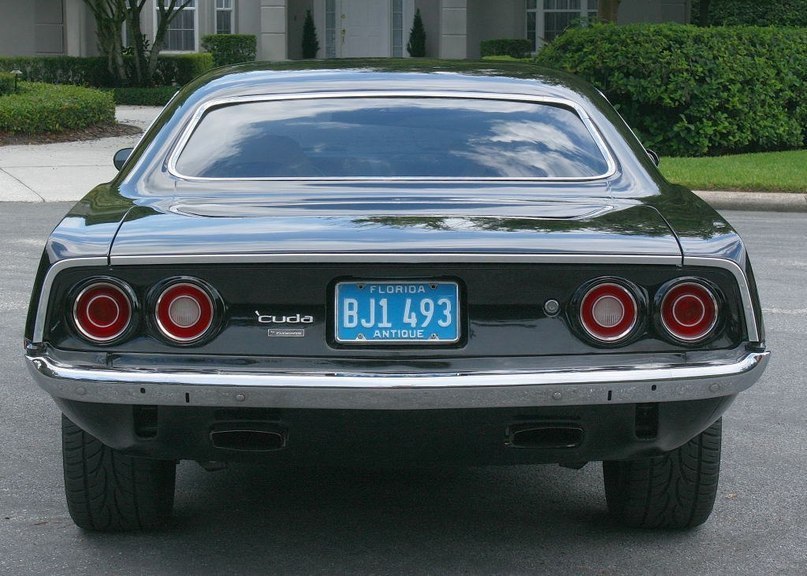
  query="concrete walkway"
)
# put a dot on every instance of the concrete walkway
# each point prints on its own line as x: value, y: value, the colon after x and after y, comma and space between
x: 66, y: 171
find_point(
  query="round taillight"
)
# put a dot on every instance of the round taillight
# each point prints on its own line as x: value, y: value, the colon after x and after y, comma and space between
x: 102, y: 312
x: 689, y: 311
x: 608, y: 312
x: 184, y: 312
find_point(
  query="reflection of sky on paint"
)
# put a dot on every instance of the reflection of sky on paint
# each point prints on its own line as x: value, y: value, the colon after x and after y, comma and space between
x: 383, y: 137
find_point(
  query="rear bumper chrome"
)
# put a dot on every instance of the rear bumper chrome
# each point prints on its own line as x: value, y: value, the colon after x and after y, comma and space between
x: 375, y: 391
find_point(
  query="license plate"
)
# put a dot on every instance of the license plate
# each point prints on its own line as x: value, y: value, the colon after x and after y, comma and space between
x: 407, y: 311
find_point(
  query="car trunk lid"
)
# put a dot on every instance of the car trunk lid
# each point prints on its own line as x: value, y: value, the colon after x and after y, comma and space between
x: 411, y: 224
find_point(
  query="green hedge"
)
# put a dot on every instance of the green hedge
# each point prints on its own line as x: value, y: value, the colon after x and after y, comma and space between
x: 692, y: 91
x: 92, y: 71
x: 59, y: 69
x: 179, y: 69
x: 752, y: 12
x: 513, y: 47
x: 54, y: 108
x: 154, y: 96
x: 230, y: 48
x: 6, y: 83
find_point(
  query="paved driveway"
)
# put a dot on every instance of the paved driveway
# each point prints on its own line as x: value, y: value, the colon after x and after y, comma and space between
x: 66, y: 170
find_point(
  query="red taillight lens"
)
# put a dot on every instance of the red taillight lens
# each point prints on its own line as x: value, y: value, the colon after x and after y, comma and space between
x: 689, y: 311
x: 102, y: 312
x: 184, y: 312
x: 608, y: 312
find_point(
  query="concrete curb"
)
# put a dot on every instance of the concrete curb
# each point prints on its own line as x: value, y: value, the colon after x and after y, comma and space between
x: 760, y: 201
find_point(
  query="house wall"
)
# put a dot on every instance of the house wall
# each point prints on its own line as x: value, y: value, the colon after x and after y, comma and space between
x: 273, y: 41
x: 17, y: 26
x: 454, y: 28
x: 248, y: 19
x: 491, y: 20
x: 295, y: 18
x: 89, y: 41
x: 430, y: 14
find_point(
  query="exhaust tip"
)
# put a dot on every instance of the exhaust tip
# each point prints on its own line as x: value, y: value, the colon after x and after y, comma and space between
x: 248, y: 440
x: 545, y: 436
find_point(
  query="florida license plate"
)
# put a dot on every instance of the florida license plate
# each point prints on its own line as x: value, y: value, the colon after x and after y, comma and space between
x: 405, y: 311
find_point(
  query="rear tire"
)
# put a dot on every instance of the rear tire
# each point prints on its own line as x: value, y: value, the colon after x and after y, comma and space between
x: 674, y: 490
x: 109, y: 491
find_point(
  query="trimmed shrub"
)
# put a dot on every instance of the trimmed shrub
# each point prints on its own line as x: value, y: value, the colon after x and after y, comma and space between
x: 179, y: 69
x: 416, y: 47
x: 6, y: 83
x: 230, y: 48
x: 751, y: 12
x: 513, y: 47
x: 53, y: 108
x: 92, y: 71
x: 691, y: 91
x: 310, y: 40
x: 154, y: 96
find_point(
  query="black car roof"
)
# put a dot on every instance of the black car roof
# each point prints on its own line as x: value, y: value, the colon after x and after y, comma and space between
x: 263, y: 78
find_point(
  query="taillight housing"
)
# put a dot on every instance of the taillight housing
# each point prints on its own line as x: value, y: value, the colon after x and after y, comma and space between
x: 688, y: 310
x: 608, y: 311
x: 185, y: 310
x: 103, y: 310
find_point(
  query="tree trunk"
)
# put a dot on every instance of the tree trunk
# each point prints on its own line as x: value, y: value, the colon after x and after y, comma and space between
x: 109, y: 18
x: 165, y: 14
x: 137, y: 41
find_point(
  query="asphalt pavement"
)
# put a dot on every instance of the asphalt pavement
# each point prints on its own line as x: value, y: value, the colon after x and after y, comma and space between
x: 528, y: 520
x: 66, y: 171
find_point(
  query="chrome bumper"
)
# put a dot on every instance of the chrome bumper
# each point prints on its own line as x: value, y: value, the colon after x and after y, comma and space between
x: 368, y: 391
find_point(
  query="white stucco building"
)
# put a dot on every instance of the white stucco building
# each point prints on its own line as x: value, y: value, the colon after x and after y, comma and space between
x: 345, y: 28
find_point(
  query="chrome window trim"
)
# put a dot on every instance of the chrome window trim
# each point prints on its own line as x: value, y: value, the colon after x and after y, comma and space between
x: 180, y: 144
x: 409, y: 258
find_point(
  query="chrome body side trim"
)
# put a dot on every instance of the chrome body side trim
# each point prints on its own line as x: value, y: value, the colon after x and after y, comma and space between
x: 47, y: 285
x: 742, y: 281
x: 459, y: 95
x: 629, y: 384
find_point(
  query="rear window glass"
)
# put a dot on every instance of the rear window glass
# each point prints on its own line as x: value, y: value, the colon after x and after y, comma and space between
x: 389, y: 138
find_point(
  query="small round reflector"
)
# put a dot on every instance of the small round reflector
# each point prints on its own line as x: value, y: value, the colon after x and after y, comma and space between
x: 689, y: 311
x: 608, y: 312
x: 102, y: 312
x: 184, y: 312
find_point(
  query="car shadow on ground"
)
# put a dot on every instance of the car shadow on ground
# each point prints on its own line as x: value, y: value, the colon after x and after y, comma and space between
x: 401, y: 520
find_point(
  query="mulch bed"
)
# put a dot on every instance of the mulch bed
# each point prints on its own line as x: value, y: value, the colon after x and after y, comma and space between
x: 88, y: 133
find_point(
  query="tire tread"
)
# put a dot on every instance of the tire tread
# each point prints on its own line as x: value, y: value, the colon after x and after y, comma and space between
x: 110, y: 491
x: 674, y: 490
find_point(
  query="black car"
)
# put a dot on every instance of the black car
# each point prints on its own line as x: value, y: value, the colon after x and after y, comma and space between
x: 397, y: 269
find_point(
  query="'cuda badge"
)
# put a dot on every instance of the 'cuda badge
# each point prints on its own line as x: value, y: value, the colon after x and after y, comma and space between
x: 280, y: 319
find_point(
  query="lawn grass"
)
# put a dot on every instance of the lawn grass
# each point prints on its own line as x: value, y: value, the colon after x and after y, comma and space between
x: 763, y: 172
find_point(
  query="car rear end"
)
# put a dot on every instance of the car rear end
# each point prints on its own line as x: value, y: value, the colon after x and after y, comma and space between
x: 402, y: 294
